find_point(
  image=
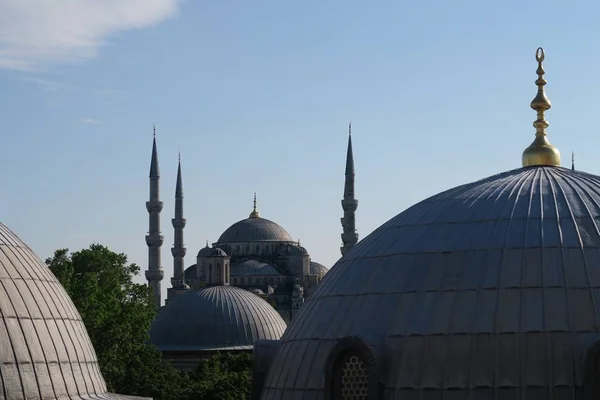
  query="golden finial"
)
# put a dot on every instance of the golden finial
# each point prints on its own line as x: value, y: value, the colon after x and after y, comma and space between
x: 254, y: 213
x: 540, y: 152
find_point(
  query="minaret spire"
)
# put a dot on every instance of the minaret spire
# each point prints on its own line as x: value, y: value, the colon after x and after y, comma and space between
x: 154, y: 239
x: 573, y: 161
x: 254, y: 213
x: 178, y: 250
x: 540, y: 152
x: 349, y: 202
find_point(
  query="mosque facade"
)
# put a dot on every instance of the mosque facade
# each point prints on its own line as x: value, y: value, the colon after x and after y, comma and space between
x: 489, y: 290
x: 261, y: 256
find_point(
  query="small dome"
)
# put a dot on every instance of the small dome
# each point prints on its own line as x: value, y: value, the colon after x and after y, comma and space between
x: 217, y: 252
x: 258, y: 292
x: 317, y: 269
x: 255, y: 229
x: 45, y: 349
x: 212, y: 252
x: 205, y: 252
x: 485, y: 290
x: 218, y: 317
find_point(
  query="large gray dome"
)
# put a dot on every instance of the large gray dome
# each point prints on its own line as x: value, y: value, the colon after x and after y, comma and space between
x: 45, y: 351
x: 255, y: 229
x: 487, y: 290
x: 215, y: 318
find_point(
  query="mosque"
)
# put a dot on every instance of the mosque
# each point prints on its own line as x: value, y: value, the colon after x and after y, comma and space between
x: 243, y: 288
x: 261, y: 256
x: 489, y: 290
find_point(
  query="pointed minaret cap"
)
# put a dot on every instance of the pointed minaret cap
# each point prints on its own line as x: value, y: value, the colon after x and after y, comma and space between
x: 540, y: 152
x: 179, y: 185
x: 572, y: 161
x: 154, y: 172
x: 349, y: 155
x: 254, y: 213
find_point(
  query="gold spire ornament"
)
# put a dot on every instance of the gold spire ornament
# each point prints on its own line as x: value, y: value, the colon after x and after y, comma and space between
x: 540, y: 152
x: 255, y: 213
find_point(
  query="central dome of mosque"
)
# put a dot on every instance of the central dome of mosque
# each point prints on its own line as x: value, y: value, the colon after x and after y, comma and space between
x: 255, y: 230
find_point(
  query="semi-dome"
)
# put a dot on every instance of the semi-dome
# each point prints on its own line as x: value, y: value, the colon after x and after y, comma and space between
x: 254, y: 268
x: 255, y: 229
x: 46, y: 351
x: 485, y: 290
x: 215, y: 318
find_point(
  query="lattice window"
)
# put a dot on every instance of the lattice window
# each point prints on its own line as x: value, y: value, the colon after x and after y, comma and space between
x: 353, y: 379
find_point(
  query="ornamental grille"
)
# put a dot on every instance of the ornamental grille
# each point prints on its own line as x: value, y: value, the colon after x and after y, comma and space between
x: 354, y: 382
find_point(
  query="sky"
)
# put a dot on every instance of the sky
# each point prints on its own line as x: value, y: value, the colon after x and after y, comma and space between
x: 257, y: 97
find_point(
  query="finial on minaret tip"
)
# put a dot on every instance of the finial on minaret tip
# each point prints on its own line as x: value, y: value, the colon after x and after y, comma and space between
x: 350, y: 128
x: 207, y: 243
x: 179, y: 156
x: 254, y: 213
x: 572, y: 161
x: 540, y: 152
x: 153, y: 130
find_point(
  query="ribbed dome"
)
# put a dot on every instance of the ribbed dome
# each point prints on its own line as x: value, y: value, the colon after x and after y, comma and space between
x: 255, y: 230
x: 317, y: 269
x: 487, y: 290
x: 218, y: 317
x: 45, y: 350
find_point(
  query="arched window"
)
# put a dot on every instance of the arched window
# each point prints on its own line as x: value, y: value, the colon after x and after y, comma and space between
x: 209, y: 277
x: 350, y: 378
x: 258, y: 248
x: 267, y: 248
x: 352, y: 371
x: 247, y: 248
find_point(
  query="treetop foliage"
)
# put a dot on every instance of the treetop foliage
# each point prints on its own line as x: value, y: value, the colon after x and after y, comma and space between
x: 117, y: 314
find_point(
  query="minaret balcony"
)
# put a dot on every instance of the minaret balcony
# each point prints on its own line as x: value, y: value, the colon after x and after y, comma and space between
x: 349, y: 204
x: 154, y: 206
x: 154, y: 240
x: 178, y: 223
x: 178, y: 252
x: 155, y: 274
x: 349, y: 237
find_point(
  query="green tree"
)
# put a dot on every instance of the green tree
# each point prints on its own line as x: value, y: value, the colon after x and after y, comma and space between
x: 224, y: 376
x: 117, y: 314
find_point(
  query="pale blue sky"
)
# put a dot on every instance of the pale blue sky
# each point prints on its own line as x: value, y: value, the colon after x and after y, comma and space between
x: 257, y: 96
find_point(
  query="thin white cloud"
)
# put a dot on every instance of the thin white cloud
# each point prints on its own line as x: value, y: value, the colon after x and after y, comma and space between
x: 91, y: 121
x: 36, y: 32
x: 47, y: 84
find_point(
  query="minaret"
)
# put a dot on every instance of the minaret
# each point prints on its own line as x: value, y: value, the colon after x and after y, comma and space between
x: 349, y: 203
x: 178, y: 251
x: 154, y: 240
